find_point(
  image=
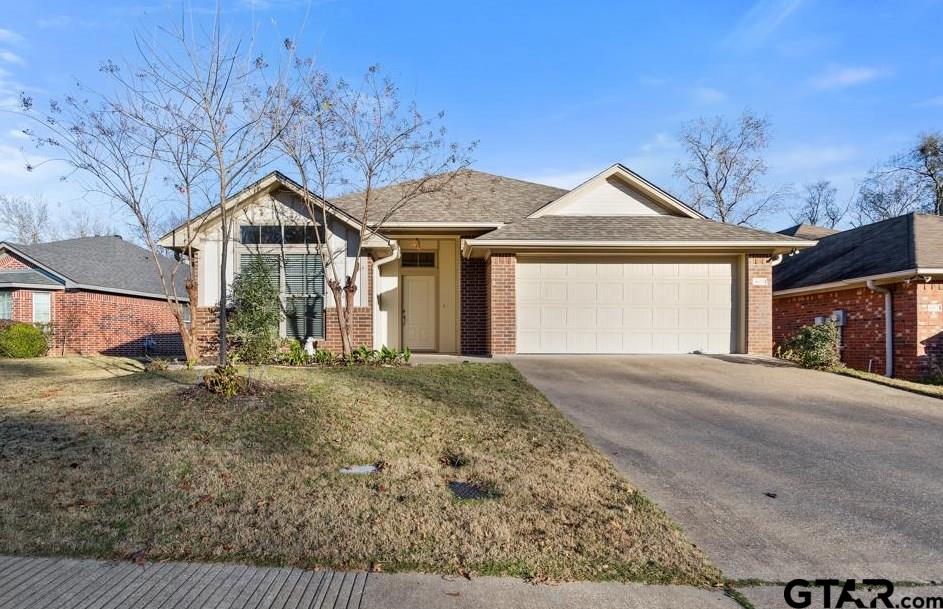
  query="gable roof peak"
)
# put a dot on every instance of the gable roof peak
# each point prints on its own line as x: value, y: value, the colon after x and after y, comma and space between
x: 650, y: 190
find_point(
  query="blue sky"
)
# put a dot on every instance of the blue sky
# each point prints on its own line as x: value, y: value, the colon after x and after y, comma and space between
x: 555, y: 92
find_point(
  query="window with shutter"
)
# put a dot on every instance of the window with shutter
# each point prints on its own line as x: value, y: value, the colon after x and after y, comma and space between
x: 304, y: 298
x: 302, y: 291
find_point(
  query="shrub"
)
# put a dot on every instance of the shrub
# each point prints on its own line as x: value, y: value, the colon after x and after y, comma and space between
x: 813, y: 347
x: 225, y: 381
x: 22, y: 340
x: 291, y: 353
x: 256, y: 313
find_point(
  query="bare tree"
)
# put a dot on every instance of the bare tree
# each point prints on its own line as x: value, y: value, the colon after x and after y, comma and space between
x: 924, y: 163
x: 27, y: 220
x: 725, y: 167
x: 113, y: 157
x: 182, y: 128
x: 819, y: 206
x: 362, y: 138
x: 886, y: 195
x: 219, y: 136
x: 84, y: 223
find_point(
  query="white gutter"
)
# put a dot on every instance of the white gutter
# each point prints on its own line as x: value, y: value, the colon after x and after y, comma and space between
x: 859, y: 281
x: 31, y: 286
x: 888, y: 327
x: 394, y: 255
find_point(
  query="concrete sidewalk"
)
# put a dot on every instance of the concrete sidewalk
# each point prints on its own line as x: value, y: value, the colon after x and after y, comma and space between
x: 65, y: 583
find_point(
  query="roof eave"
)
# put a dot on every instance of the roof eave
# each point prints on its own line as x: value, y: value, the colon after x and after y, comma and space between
x: 773, y: 247
x: 855, y: 282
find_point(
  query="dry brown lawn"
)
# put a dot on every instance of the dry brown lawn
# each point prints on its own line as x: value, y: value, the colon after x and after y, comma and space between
x: 98, y: 458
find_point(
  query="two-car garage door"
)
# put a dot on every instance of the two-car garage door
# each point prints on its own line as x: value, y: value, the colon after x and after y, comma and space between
x: 626, y: 305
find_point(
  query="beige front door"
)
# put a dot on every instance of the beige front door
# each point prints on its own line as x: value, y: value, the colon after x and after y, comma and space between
x: 419, y: 319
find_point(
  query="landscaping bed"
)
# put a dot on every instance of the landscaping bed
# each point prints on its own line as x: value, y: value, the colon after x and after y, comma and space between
x: 100, y: 459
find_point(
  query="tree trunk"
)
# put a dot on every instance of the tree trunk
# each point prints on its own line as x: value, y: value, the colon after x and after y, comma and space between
x: 342, y: 318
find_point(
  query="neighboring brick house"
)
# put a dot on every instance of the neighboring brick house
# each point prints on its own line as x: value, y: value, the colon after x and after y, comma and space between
x: 893, y: 266
x: 492, y: 265
x: 98, y: 295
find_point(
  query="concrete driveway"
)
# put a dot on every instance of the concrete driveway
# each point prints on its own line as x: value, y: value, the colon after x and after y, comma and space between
x: 776, y: 472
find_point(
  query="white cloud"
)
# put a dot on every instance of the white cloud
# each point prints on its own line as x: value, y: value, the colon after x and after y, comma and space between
x: 760, y: 22
x: 17, y: 134
x: 660, y: 141
x: 930, y: 103
x: 10, y: 57
x: 808, y: 157
x: 839, y: 77
x: 708, y: 95
x: 10, y: 37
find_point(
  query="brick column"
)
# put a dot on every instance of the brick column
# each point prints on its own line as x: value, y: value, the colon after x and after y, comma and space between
x: 474, y: 307
x: 759, y: 309
x: 502, y: 312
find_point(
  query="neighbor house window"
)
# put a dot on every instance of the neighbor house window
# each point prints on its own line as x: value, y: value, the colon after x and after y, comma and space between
x: 278, y: 235
x: 300, y: 280
x: 418, y: 259
x: 186, y: 313
x: 6, y: 305
x: 42, y: 309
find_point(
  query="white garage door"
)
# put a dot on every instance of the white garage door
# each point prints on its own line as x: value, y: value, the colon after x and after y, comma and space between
x: 626, y: 305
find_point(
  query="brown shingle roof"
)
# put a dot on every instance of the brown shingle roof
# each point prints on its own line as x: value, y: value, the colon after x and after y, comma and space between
x: 898, y: 244
x: 628, y: 228
x: 471, y: 196
x: 808, y: 231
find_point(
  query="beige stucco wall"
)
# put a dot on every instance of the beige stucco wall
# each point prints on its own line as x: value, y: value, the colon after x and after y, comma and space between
x: 389, y: 300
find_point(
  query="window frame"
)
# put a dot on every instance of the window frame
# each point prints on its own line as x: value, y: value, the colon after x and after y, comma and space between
x: 6, y: 298
x: 264, y: 235
x: 418, y: 259
x: 48, y: 298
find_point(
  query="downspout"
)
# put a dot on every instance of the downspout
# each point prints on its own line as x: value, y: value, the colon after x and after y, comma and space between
x: 394, y: 255
x: 888, y: 327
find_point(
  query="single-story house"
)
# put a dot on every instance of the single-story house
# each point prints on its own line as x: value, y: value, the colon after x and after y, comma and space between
x: 495, y: 265
x: 883, y: 284
x: 99, y: 295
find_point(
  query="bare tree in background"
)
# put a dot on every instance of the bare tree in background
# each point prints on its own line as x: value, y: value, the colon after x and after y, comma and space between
x: 819, y: 206
x: 362, y: 138
x: 83, y: 223
x: 724, y: 168
x: 885, y: 195
x: 27, y: 220
x: 924, y: 164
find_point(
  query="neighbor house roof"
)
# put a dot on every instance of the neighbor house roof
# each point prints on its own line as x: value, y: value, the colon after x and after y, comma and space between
x: 907, y: 244
x: 27, y: 278
x: 808, y: 231
x: 468, y: 197
x: 107, y: 264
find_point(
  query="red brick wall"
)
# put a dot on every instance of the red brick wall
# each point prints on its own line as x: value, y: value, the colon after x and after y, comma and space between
x: 112, y: 324
x: 759, y: 306
x: 23, y: 305
x: 929, y: 327
x: 918, y: 343
x: 361, y: 317
x: 863, y: 334
x: 474, y: 307
x: 9, y: 262
x: 502, y: 314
